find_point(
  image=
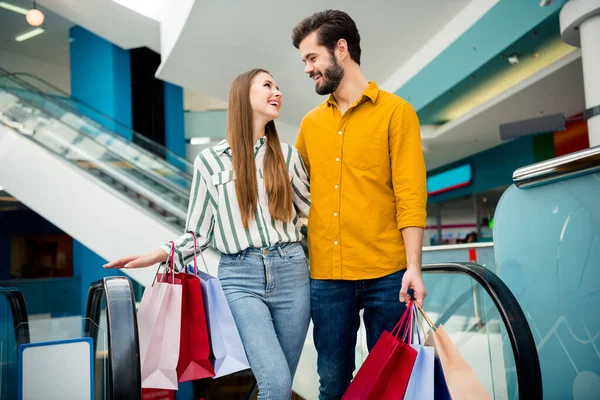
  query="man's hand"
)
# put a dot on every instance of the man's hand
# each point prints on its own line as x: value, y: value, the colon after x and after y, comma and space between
x: 413, y: 280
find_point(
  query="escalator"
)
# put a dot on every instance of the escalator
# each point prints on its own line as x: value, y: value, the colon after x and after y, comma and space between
x: 110, y: 194
x: 110, y: 324
x: 108, y: 334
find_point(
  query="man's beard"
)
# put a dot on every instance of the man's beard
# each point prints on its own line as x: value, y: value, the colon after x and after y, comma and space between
x: 331, y: 79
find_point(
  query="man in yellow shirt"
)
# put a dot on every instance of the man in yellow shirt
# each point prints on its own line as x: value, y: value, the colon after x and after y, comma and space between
x: 362, y: 149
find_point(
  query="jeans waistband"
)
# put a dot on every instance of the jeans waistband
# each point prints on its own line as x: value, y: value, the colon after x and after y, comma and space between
x: 281, y: 249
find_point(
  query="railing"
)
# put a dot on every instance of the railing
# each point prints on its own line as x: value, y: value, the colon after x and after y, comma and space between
x: 124, y: 372
x: 527, y: 363
x: 18, y: 309
x: 155, y: 148
x: 560, y: 168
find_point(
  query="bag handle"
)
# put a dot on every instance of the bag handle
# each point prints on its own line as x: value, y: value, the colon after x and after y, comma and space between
x: 201, y: 255
x: 167, y: 264
x: 402, y: 325
x: 429, y: 322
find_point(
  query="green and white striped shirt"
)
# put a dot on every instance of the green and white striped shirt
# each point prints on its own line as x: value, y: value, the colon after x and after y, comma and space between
x: 214, y: 213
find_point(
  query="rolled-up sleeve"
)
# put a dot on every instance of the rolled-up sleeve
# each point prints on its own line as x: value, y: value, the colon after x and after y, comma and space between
x: 408, y: 168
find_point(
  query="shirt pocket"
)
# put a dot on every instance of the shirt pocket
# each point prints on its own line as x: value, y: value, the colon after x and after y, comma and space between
x: 223, y: 177
x: 362, y: 150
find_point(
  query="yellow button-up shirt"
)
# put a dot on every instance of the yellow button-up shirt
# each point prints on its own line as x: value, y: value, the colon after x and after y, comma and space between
x: 367, y: 182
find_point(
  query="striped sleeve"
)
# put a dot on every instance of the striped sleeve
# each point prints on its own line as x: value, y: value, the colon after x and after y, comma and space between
x: 200, y: 220
x: 300, y: 184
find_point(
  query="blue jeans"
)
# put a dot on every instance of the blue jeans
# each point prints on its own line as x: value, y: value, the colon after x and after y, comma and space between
x: 335, y: 306
x: 268, y: 291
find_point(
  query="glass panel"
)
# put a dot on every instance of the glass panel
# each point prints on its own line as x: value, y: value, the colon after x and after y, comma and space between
x: 103, y: 132
x: 472, y: 321
x: 91, y: 114
x: 124, y: 176
x: 48, y: 331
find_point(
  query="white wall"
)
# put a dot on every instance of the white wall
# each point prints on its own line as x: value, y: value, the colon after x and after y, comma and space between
x: 58, y: 75
x: 195, y: 101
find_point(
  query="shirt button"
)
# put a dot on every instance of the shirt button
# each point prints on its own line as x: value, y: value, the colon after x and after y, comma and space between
x: 340, y: 132
x: 335, y: 186
x: 337, y: 159
x: 335, y: 214
x: 335, y: 242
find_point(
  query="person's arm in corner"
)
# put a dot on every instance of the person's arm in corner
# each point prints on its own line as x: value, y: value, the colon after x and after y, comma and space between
x: 300, y: 184
x: 200, y: 220
x: 409, y: 181
x: 301, y: 147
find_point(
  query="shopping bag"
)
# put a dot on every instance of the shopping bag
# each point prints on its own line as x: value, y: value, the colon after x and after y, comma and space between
x: 194, y: 350
x: 460, y: 379
x: 228, y: 355
x: 421, y: 382
x: 386, y: 370
x: 159, y: 324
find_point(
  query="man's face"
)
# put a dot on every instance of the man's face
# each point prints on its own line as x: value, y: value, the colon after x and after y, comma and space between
x: 320, y: 65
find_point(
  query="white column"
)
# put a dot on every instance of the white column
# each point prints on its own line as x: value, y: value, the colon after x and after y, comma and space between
x: 580, y: 27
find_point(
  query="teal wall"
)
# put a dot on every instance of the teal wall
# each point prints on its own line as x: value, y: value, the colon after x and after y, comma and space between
x: 491, y: 168
x: 501, y: 26
x: 100, y: 75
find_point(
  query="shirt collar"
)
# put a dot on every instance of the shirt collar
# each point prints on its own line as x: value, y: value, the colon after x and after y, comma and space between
x: 224, y: 146
x: 371, y: 93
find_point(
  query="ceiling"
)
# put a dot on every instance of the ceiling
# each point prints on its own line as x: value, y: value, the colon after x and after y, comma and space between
x: 52, y: 46
x: 257, y: 34
x: 556, y: 89
x: 253, y: 34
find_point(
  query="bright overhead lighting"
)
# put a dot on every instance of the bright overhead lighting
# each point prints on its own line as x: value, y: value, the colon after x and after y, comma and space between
x: 1, y: 188
x: 199, y: 140
x: 10, y: 7
x: 29, y: 35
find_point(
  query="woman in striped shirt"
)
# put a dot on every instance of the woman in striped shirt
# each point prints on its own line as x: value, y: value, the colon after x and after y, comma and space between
x: 248, y: 193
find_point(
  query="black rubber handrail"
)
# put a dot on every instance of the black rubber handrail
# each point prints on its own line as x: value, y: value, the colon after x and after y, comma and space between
x: 18, y: 309
x: 124, y: 372
x: 529, y: 374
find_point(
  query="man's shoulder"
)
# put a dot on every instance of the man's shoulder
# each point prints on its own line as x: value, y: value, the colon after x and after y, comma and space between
x: 315, y: 113
x: 391, y: 99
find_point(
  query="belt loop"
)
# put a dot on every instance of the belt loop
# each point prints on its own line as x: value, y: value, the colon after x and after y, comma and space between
x: 243, y: 254
x: 280, y: 251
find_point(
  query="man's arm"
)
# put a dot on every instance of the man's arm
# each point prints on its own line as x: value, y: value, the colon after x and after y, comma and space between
x: 301, y: 147
x: 409, y: 182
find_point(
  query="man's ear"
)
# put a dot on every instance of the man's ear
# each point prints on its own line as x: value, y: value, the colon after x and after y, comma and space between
x: 341, y: 49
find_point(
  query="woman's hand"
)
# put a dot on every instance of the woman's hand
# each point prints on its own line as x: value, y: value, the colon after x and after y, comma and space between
x: 139, y: 261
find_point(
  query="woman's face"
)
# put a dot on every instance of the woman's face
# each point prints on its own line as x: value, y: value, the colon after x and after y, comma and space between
x: 265, y: 97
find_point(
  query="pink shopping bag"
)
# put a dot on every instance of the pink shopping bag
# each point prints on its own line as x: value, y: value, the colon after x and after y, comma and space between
x: 159, y: 328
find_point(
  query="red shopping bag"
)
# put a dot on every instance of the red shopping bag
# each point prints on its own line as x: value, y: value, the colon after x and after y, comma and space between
x: 194, y: 349
x: 386, y: 370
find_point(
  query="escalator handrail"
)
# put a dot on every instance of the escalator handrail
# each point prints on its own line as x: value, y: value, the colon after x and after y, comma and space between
x: 529, y: 375
x: 19, y: 312
x: 162, y: 148
x: 123, y: 346
x: 148, y: 173
x: 154, y: 177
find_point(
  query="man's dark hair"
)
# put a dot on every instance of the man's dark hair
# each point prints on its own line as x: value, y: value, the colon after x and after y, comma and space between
x: 331, y: 26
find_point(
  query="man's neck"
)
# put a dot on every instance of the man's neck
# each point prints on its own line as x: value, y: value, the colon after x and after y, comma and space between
x: 351, y: 88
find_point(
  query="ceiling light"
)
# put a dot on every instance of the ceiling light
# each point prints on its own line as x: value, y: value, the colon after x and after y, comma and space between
x: 34, y: 16
x: 1, y: 188
x: 11, y: 7
x: 29, y: 35
x: 546, y: 3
